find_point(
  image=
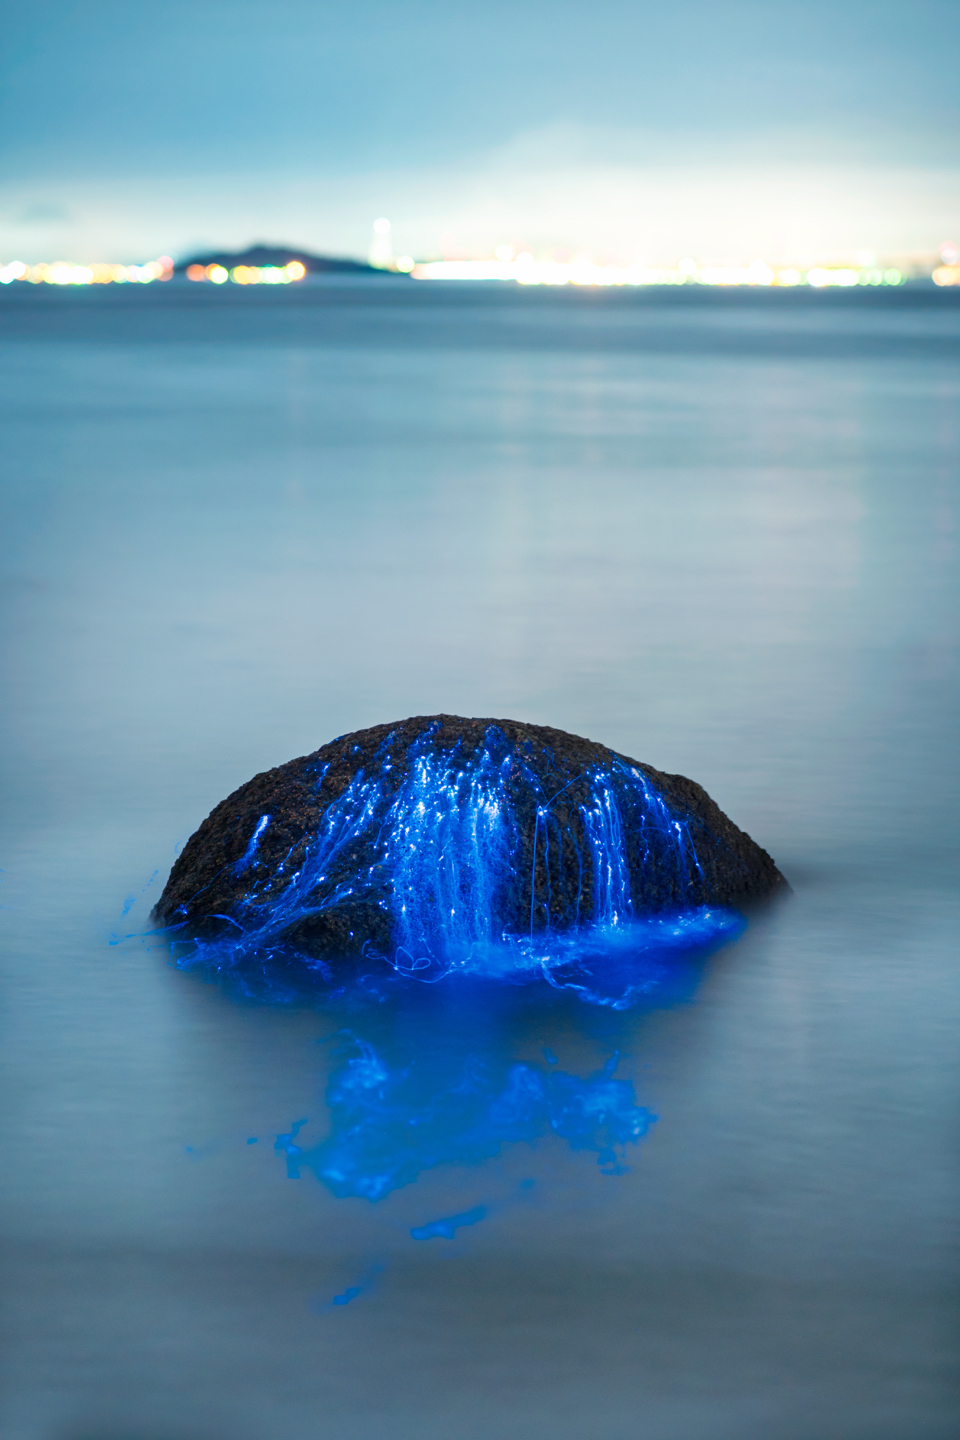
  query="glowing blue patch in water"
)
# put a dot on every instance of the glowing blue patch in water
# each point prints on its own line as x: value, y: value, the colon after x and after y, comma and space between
x: 286, y: 1145
x: 389, y: 1125
x: 447, y: 1228
x: 346, y: 1297
x: 440, y: 854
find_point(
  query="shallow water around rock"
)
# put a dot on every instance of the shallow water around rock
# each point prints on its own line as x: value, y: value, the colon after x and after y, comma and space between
x: 717, y: 535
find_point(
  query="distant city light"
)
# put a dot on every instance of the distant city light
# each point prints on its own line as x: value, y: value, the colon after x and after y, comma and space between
x: 249, y: 274
x: 819, y: 277
x: 65, y: 272
x: 380, y: 253
x: 755, y: 274
x: 522, y: 269
x: 525, y: 270
x: 267, y: 274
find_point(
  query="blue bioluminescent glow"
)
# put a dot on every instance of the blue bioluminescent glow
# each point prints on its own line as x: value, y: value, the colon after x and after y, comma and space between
x: 388, y: 1125
x: 447, y: 1228
x: 474, y: 870
x: 286, y: 1145
x: 351, y: 1293
x: 246, y: 859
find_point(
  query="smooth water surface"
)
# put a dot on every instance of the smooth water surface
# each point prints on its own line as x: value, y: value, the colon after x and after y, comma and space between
x: 716, y: 534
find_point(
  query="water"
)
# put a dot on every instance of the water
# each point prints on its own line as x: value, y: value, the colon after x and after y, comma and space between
x: 713, y: 532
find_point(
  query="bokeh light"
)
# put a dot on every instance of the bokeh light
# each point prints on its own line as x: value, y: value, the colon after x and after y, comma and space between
x: 521, y: 269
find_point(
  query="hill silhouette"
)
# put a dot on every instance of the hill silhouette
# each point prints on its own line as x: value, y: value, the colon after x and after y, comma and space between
x: 261, y: 255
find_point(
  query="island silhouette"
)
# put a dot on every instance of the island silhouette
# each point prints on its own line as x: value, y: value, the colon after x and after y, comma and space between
x: 261, y: 256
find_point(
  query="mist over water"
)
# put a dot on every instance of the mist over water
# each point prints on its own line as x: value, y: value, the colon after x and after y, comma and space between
x: 718, y: 536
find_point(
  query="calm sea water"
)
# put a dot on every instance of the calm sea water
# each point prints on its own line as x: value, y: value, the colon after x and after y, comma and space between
x: 714, y: 532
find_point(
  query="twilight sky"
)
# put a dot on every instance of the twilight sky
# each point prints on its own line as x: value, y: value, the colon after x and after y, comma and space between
x: 641, y: 131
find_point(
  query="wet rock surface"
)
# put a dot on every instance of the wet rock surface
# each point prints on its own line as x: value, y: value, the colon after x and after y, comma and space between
x: 438, y: 832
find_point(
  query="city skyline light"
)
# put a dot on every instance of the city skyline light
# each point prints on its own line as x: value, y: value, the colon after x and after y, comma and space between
x: 506, y: 266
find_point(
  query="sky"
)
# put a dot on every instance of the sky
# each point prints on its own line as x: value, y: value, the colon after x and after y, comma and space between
x: 628, y: 131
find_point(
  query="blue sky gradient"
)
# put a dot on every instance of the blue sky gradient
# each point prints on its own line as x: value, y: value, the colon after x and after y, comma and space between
x: 637, y: 130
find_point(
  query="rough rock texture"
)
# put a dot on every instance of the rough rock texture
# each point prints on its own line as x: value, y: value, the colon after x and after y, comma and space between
x: 568, y: 853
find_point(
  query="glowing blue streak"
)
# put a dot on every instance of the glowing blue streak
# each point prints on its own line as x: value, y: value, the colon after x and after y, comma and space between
x: 603, y: 829
x: 246, y: 859
x: 448, y: 845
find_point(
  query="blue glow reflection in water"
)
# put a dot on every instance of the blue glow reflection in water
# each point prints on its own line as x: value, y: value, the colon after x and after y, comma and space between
x: 388, y: 1125
x: 447, y: 1228
x: 352, y: 1292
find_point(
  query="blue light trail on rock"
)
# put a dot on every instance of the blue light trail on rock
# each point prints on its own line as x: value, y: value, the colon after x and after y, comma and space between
x: 440, y: 855
x: 246, y: 859
x: 449, y: 836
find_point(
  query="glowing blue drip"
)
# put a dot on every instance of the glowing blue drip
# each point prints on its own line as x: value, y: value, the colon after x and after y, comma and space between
x: 246, y: 860
x: 449, y: 839
x: 603, y: 830
x: 345, y: 823
x: 260, y: 925
x: 658, y: 818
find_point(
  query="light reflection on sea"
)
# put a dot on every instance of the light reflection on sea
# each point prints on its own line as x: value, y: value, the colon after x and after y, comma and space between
x: 720, y: 540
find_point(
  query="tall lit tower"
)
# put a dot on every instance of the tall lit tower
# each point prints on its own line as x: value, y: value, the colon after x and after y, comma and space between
x: 381, y: 248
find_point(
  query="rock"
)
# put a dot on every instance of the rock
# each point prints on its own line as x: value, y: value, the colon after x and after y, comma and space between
x: 438, y: 835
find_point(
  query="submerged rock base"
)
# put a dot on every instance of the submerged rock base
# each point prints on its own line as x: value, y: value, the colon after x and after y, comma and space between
x: 437, y: 839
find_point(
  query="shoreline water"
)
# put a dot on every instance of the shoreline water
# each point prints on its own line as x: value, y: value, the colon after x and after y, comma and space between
x: 721, y: 535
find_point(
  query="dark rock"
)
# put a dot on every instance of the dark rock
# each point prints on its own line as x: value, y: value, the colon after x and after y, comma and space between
x: 438, y: 834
